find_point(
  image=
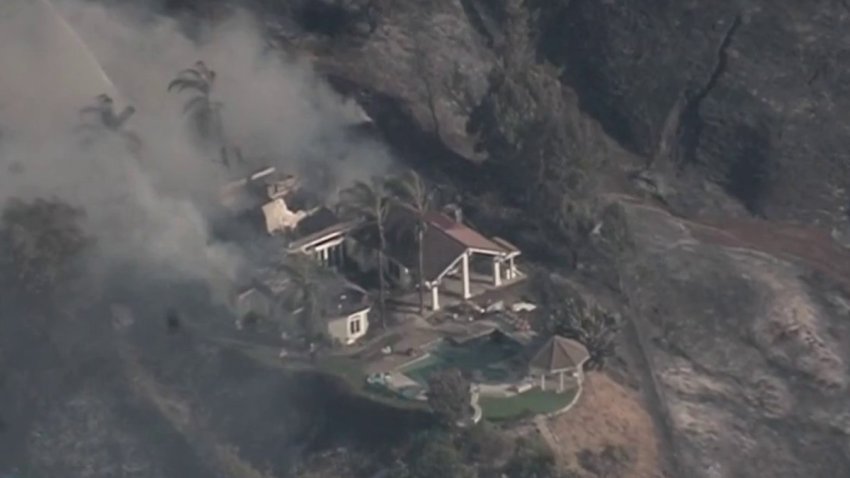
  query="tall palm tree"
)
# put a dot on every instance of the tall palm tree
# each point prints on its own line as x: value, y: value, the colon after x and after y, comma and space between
x: 370, y: 203
x: 203, y: 109
x: 101, y: 118
x: 411, y: 191
x: 303, y: 296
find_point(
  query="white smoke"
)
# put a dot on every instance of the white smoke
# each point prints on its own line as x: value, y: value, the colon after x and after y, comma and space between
x: 146, y: 207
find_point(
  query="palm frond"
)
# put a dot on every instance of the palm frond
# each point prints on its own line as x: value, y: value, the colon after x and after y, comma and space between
x: 196, y: 103
x: 195, y: 74
x: 91, y: 110
x: 181, y: 84
x: 205, y: 72
x: 411, y: 190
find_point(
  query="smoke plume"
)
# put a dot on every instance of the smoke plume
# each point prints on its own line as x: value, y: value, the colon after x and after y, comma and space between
x: 150, y: 206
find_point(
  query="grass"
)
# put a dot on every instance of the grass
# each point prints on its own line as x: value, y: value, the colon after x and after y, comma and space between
x: 533, y: 402
x: 349, y: 371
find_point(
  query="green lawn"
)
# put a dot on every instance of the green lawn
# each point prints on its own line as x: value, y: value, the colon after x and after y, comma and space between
x: 352, y: 373
x: 530, y: 403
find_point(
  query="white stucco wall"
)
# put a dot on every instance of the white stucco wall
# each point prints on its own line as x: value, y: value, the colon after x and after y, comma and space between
x: 340, y: 328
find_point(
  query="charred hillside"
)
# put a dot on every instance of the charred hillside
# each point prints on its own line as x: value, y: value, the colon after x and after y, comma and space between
x: 721, y: 110
x: 680, y: 162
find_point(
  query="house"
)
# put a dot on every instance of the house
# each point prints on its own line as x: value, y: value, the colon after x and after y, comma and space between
x: 322, y: 235
x: 561, y: 357
x: 343, y: 308
x: 450, y: 247
x: 345, y: 312
x: 278, y: 197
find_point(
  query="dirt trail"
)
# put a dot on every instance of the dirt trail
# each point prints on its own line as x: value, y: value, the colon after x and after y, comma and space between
x: 808, y: 244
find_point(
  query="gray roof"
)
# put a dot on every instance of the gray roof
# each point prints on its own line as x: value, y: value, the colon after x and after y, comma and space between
x: 558, y: 354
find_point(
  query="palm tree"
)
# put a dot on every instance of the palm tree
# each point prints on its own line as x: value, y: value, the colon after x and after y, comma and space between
x: 205, y: 112
x: 101, y: 118
x: 370, y: 203
x: 303, y: 296
x: 412, y: 191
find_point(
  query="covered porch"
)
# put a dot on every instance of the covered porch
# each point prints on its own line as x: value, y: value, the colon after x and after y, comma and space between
x: 474, y: 272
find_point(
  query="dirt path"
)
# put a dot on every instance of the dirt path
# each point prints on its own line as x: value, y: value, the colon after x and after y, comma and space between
x: 810, y: 245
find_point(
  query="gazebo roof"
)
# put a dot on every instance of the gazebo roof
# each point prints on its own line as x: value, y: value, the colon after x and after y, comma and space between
x: 558, y: 354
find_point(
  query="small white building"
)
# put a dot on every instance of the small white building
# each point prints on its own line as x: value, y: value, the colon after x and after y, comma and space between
x: 346, y: 312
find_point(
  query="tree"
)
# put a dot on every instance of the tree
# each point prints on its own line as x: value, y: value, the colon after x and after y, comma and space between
x: 101, y: 118
x: 612, y: 462
x: 370, y: 203
x: 531, y: 459
x: 532, y: 129
x: 434, y: 454
x: 304, y: 295
x: 41, y: 241
x: 412, y: 191
x: 579, y: 319
x: 204, y: 111
x: 449, y: 396
x: 484, y: 443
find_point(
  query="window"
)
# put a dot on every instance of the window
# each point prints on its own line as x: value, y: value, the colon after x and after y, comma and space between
x: 354, y: 326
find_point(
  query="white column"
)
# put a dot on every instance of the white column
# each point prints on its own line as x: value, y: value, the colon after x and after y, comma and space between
x: 497, y: 272
x: 543, y: 382
x: 465, y: 275
x: 511, y: 269
x: 435, y: 297
x: 561, y: 386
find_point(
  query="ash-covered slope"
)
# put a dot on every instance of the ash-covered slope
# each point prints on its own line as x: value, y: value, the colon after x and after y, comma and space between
x: 737, y: 109
x: 749, y: 94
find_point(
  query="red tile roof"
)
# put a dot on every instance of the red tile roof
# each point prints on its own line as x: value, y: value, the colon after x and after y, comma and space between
x: 462, y: 233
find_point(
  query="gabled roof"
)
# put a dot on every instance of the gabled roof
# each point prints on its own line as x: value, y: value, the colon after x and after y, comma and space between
x: 462, y: 234
x: 558, y: 354
x: 317, y: 226
x: 440, y: 250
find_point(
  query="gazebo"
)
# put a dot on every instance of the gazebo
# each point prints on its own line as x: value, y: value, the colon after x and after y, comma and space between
x: 559, y: 356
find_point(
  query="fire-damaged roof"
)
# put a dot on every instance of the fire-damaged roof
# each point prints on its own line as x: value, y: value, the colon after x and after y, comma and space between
x: 321, y: 223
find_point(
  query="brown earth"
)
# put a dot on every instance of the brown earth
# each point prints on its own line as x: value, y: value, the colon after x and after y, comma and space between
x: 608, y: 414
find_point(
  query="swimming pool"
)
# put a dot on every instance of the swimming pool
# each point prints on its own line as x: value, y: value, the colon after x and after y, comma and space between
x: 487, y: 359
